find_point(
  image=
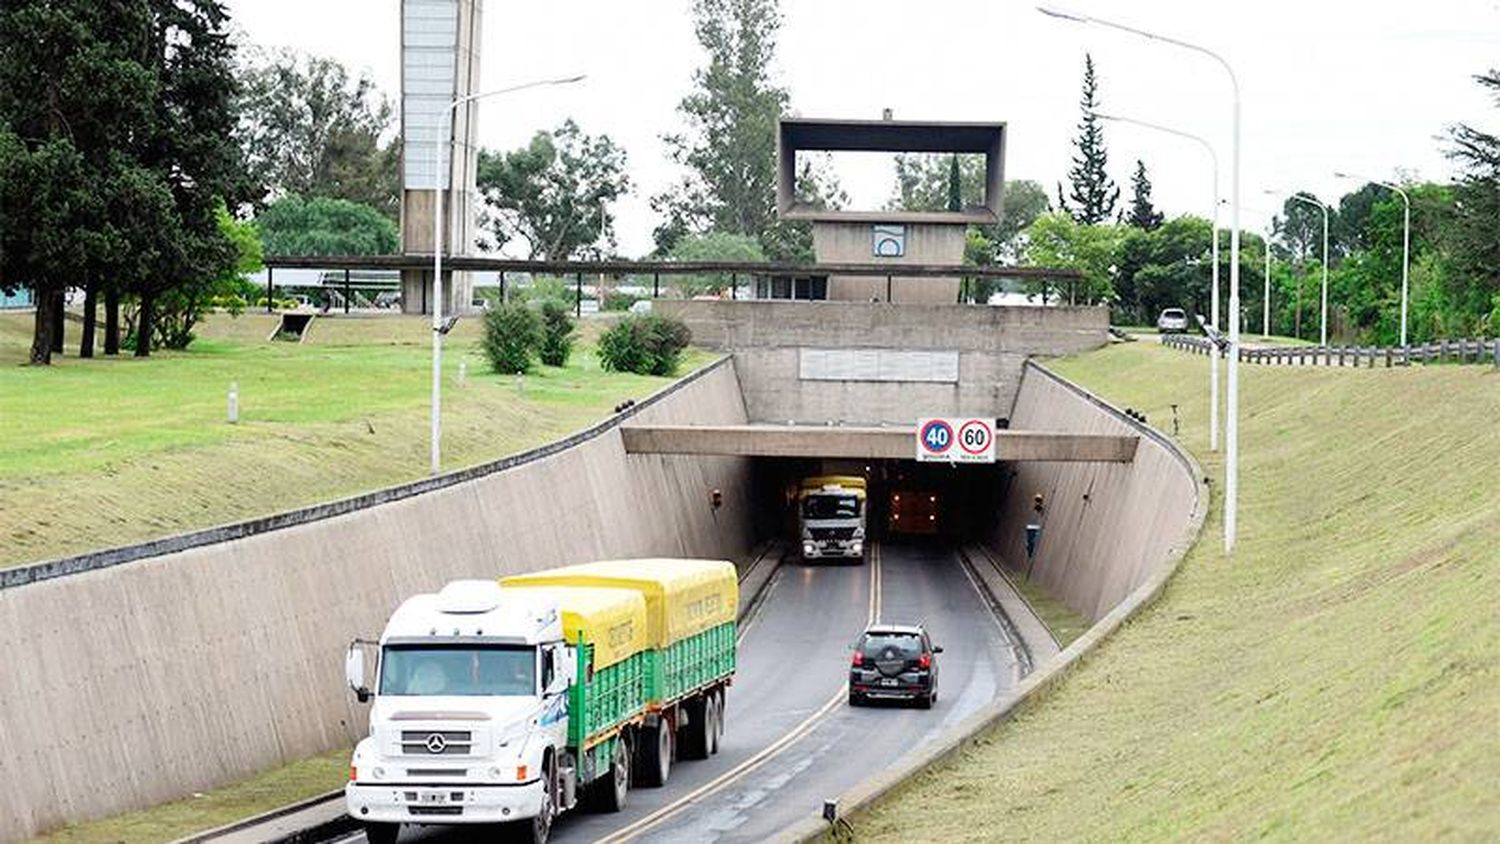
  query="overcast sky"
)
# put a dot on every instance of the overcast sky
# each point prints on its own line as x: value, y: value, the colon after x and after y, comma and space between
x: 1366, y: 87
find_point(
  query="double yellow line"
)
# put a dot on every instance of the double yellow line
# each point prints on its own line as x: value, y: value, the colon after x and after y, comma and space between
x: 764, y: 755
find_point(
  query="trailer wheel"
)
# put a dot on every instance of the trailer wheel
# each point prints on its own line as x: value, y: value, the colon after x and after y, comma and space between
x: 611, y: 790
x: 382, y: 833
x: 696, y: 735
x: 715, y: 722
x: 655, y: 754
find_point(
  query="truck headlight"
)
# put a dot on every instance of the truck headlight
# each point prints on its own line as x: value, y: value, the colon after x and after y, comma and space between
x: 809, y: 548
x: 857, y: 548
x: 379, y: 773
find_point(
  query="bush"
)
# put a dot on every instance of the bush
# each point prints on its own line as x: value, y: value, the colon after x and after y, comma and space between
x: 512, y: 333
x: 645, y: 344
x: 557, y: 333
x: 616, y: 301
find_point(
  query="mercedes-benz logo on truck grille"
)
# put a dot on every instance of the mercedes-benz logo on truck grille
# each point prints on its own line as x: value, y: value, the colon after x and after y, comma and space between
x: 436, y: 743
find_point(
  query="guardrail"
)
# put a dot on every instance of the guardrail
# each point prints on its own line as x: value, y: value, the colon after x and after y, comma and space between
x: 1467, y: 351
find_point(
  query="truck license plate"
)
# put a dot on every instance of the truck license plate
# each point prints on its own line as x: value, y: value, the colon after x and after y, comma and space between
x: 431, y: 797
x: 888, y: 681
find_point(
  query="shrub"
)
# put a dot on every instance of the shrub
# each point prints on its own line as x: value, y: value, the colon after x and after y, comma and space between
x: 557, y: 333
x: 644, y: 344
x: 512, y: 333
x: 617, y: 301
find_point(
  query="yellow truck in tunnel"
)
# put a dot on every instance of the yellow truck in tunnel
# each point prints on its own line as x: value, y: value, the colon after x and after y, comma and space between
x: 831, y: 518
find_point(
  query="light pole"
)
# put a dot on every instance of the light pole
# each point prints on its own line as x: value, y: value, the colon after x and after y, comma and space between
x: 438, y: 328
x: 1232, y: 427
x: 1323, y: 327
x: 1265, y: 302
x: 1405, y: 245
x: 1213, y: 359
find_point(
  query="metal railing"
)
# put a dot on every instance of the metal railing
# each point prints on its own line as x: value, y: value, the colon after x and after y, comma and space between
x: 1464, y: 351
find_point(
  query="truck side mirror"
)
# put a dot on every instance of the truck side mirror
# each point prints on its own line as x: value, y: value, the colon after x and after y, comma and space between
x: 354, y: 671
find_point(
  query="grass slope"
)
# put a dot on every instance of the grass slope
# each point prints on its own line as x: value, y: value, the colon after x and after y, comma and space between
x: 1339, y: 678
x: 105, y: 452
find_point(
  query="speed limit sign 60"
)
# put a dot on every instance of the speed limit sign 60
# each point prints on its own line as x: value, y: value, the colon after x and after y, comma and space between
x: 955, y: 440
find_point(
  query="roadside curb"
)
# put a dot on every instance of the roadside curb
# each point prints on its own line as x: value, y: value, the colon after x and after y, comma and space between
x: 264, y: 817
x: 969, y: 731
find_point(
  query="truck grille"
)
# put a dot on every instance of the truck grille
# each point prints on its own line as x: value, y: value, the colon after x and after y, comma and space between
x: 825, y: 534
x: 436, y: 742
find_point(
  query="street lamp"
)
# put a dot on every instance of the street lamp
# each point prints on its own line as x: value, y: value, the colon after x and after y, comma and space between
x: 1323, y: 327
x: 439, y: 326
x: 1265, y: 303
x: 1213, y: 360
x: 1405, y: 245
x: 1232, y: 428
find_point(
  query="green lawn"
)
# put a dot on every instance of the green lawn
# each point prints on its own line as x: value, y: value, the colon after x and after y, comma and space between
x: 105, y: 452
x: 1337, y: 679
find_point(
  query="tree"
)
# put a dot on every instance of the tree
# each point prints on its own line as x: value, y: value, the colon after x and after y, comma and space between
x: 1093, y: 193
x: 1058, y: 241
x: 729, y: 148
x: 1142, y: 215
x: 955, y: 192
x: 713, y: 246
x: 557, y: 333
x: 321, y: 226
x: 512, y: 335
x: 1475, y: 234
x: 554, y: 193
x: 308, y: 128
x: 922, y: 182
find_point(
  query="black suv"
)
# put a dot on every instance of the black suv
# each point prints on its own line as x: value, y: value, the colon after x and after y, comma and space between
x: 894, y: 662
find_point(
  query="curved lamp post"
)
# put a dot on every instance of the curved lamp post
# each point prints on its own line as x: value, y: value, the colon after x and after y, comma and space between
x: 1317, y: 203
x: 438, y: 327
x: 1231, y: 429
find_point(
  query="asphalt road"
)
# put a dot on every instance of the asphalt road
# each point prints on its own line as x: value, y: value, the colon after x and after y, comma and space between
x: 791, y: 739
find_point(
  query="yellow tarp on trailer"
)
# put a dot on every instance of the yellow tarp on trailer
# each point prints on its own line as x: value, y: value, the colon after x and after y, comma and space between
x: 614, y: 621
x: 852, y: 484
x: 683, y: 597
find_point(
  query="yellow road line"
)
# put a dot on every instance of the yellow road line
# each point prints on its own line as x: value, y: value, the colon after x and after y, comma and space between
x: 765, y: 754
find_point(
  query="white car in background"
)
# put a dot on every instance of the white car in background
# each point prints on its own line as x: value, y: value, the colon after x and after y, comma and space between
x: 1172, y: 321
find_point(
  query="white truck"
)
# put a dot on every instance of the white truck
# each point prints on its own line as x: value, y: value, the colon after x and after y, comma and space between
x: 831, y: 517
x: 511, y: 702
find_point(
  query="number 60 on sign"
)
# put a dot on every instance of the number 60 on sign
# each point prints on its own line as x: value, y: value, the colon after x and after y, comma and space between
x: 955, y: 440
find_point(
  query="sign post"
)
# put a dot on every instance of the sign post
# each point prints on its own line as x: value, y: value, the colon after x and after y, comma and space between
x: 955, y: 440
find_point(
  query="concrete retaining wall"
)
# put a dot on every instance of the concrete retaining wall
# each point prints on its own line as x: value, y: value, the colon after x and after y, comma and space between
x: 133, y: 684
x: 1106, y: 526
x: 767, y: 337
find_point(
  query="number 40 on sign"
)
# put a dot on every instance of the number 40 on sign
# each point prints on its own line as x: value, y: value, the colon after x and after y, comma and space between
x: 955, y: 440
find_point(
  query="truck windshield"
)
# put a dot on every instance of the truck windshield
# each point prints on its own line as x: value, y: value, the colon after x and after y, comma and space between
x: 458, y: 670
x: 830, y: 507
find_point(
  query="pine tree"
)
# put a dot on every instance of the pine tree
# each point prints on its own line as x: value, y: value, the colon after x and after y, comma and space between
x: 955, y: 186
x: 1142, y: 214
x: 1093, y: 193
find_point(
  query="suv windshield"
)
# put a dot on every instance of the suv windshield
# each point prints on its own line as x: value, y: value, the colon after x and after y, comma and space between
x: 830, y: 507
x: 891, y: 646
x: 458, y: 670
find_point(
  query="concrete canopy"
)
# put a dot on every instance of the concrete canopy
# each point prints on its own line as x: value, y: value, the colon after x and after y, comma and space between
x: 796, y: 134
x: 892, y: 443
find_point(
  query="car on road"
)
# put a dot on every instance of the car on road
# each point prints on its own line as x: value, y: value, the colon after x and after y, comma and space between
x: 894, y: 662
x: 1172, y: 320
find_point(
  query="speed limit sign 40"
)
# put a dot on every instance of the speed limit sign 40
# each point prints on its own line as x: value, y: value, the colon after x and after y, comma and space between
x: 955, y: 440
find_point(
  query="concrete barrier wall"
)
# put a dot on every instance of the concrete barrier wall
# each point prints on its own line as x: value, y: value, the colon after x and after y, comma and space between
x: 993, y: 343
x: 1106, y: 526
x: 134, y: 684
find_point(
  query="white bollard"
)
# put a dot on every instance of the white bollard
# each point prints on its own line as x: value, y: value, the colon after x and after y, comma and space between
x: 234, y: 402
x: 463, y: 372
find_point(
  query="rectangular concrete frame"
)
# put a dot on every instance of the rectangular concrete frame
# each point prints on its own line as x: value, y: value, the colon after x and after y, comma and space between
x: 140, y: 683
x: 895, y: 443
x: 796, y: 133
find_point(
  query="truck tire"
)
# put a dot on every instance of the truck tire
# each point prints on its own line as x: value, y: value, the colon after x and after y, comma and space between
x: 696, y: 736
x: 610, y: 791
x: 536, y: 830
x: 655, y: 754
x: 715, y: 722
x: 382, y: 833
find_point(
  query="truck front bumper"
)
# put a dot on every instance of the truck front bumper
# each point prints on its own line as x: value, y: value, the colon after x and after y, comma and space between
x: 832, y: 550
x: 443, y: 804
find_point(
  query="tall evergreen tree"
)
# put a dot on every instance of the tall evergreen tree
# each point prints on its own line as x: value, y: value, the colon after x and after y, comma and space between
x: 1093, y: 193
x: 955, y: 186
x: 1142, y: 215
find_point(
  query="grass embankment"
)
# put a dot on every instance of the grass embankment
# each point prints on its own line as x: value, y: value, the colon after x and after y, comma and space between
x: 106, y: 452
x: 1065, y: 624
x: 1339, y: 678
x: 211, y: 809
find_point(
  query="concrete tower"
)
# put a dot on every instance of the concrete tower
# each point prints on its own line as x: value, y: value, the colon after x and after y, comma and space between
x: 440, y: 46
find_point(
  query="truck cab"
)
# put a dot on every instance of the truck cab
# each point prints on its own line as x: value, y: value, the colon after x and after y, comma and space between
x: 831, y: 518
x: 469, y: 716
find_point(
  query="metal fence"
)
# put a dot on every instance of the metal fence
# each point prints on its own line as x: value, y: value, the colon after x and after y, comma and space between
x: 1470, y: 351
